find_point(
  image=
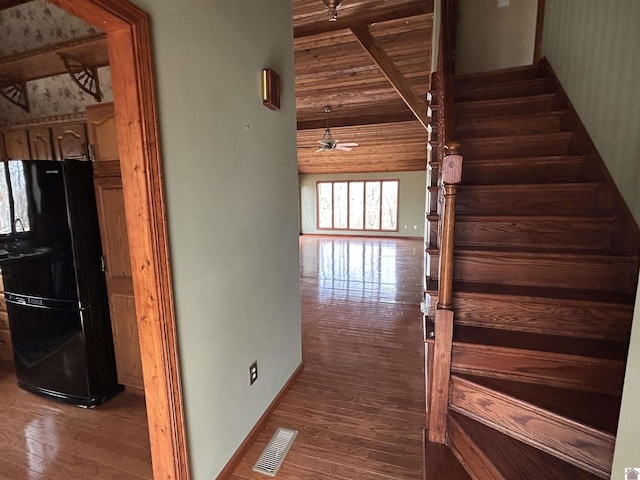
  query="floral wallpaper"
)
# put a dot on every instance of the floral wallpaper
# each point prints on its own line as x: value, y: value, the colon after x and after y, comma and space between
x: 34, y: 25
x: 54, y: 96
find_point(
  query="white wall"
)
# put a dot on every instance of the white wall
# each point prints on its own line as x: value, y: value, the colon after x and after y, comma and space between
x: 230, y: 174
x: 411, y: 202
x: 490, y: 37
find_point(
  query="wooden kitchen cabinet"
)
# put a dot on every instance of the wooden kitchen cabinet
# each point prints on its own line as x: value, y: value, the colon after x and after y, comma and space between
x: 103, y: 140
x: 40, y: 143
x: 101, y: 134
x: 6, y: 350
x: 16, y: 145
x: 69, y: 141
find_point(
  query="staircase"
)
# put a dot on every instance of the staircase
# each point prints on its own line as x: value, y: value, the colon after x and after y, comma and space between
x: 545, y: 272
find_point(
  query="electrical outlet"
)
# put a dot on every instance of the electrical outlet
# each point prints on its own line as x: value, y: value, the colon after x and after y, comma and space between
x: 253, y: 372
x: 503, y: 3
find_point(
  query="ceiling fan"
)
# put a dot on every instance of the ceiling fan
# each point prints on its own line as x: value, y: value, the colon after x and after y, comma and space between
x: 329, y: 143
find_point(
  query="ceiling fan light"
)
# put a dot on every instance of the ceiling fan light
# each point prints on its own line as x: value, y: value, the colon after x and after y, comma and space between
x: 332, y: 5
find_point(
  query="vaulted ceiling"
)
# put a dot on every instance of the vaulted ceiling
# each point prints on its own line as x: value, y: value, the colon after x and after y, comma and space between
x: 372, y: 66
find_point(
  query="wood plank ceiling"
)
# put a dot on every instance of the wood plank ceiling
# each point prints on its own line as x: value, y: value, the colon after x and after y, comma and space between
x: 333, y: 68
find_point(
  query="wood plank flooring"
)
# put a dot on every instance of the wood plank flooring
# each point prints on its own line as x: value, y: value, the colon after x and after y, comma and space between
x: 359, y: 404
x: 41, y: 439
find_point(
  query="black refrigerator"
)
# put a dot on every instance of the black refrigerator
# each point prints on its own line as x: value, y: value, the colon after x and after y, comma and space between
x: 54, y: 283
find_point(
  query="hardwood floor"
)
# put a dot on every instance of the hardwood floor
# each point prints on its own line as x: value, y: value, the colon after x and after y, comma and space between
x: 42, y: 439
x: 359, y: 405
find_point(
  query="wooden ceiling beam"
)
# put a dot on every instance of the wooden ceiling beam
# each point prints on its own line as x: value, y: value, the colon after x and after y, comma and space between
x: 416, y: 104
x: 362, y: 19
x: 335, y: 122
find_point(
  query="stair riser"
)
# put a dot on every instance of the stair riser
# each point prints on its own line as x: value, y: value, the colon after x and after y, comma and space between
x: 521, y: 125
x: 504, y: 90
x: 506, y: 147
x: 567, y: 371
x: 554, y: 317
x: 616, y: 275
x: 516, y: 106
x: 575, y: 443
x: 521, y: 171
x: 520, y: 232
x: 490, y: 78
x: 568, y: 199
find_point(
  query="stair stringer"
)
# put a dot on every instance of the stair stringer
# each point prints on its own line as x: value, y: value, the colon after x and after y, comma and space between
x: 573, y: 442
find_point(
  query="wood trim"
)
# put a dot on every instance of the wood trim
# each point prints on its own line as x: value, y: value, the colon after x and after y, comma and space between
x: 242, y: 450
x: 537, y: 49
x: 128, y: 38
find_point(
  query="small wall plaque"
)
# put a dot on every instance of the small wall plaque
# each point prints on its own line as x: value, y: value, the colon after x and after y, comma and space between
x: 270, y: 89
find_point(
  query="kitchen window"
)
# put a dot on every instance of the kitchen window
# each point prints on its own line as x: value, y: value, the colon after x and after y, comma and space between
x: 370, y: 205
x: 14, y: 211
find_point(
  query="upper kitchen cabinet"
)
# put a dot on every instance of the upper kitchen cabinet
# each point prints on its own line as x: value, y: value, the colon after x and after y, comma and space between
x: 69, y: 141
x: 16, y: 145
x: 40, y: 143
x: 103, y: 140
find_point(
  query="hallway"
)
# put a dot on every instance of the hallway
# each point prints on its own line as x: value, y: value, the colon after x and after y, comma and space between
x: 358, y: 406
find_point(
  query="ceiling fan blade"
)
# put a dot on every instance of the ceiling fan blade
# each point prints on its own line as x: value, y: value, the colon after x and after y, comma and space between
x: 320, y: 150
x: 342, y: 147
x: 349, y: 144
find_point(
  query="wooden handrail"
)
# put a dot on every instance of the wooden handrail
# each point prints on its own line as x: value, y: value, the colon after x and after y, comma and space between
x: 450, y: 162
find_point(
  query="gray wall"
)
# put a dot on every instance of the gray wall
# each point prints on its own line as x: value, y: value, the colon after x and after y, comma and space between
x: 411, y: 202
x: 593, y: 47
x: 231, y: 183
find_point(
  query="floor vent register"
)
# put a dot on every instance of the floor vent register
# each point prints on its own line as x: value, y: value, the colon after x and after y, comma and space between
x: 275, y: 451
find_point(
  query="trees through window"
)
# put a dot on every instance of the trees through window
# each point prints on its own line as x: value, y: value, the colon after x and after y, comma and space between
x: 370, y: 205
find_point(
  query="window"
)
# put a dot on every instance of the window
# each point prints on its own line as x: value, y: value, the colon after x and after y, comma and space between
x: 358, y: 205
x: 14, y: 203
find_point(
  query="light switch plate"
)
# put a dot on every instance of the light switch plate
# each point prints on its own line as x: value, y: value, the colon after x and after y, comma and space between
x: 503, y: 3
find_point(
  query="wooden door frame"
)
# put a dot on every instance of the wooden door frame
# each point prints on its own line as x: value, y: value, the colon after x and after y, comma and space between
x: 128, y: 39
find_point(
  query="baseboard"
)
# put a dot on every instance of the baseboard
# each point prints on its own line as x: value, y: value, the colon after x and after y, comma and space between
x: 231, y: 465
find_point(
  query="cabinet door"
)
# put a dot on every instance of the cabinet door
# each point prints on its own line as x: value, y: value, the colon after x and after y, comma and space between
x: 3, y: 152
x: 16, y: 145
x: 69, y: 141
x: 115, y: 245
x: 103, y: 140
x: 40, y: 140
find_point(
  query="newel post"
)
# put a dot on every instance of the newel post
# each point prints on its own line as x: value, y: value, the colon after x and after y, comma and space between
x: 451, y: 174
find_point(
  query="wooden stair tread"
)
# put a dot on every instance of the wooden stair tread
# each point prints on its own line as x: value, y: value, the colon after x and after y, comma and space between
x: 440, y: 463
x: 546, y: 292
x: 603, y: 349
x: 596, y: 410
x: 511, y: 458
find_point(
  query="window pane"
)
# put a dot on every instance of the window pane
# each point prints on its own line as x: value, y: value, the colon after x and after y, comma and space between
x: 356, y: 205
x: 390, y: 205
x: 21, y: 203
x: 340, y: 205
x: 372, y: 214
x: 5, y: 211
x: 325, y: 201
